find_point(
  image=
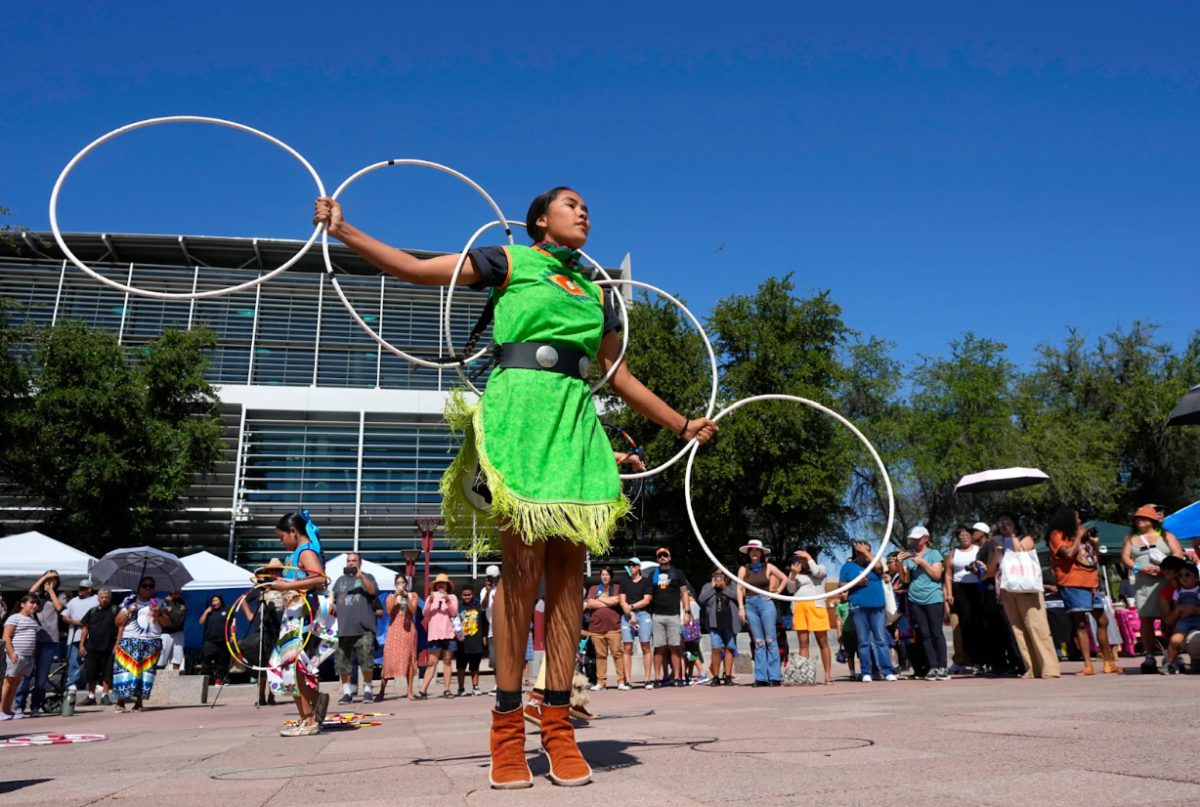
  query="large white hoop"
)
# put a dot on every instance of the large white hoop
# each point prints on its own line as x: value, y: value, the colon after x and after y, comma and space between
x: 162, y: 295
x: 887, y: 481
x: 337, y: 287
x: 462, y: 257
x: 712, y: 399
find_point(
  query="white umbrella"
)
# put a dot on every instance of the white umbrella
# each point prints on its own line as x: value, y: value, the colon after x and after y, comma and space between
x: 1000, y: 479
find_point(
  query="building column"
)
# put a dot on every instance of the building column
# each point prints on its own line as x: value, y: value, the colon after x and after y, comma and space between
x: 362, y: 422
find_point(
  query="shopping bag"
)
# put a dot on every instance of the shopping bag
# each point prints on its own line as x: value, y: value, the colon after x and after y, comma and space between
x: 1020, y: 572
x: 800, y: 671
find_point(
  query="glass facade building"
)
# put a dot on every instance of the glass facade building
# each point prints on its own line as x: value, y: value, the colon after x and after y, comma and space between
x: 315, y: 415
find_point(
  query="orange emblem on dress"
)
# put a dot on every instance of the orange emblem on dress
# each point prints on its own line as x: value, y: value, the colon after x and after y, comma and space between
x: 568, y: 285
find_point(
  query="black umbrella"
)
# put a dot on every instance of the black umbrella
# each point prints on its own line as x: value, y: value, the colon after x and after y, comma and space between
x: 1187, y: 411
x: 125, y: 568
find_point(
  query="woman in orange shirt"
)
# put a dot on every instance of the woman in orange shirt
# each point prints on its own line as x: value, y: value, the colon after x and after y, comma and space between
x: 1076, y: 564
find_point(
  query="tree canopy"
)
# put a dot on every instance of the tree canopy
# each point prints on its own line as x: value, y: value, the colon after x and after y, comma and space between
x: 106, y: 440
x: 1090, y: 412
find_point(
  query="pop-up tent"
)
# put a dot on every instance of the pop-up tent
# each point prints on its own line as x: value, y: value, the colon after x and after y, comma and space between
x: 26, y: 557
x: 210, y: 575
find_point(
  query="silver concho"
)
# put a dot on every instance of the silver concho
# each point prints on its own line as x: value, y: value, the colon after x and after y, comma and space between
x: 546, y: 356
x: 585, y: 364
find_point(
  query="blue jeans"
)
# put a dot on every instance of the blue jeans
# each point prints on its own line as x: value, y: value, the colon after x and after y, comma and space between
x: 43, y: 657
x: 871, y: 625
x: 760, y: 616
x: 74, y: 667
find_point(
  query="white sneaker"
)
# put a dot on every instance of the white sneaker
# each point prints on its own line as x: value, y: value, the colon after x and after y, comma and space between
x: 7, y: 716
x: 624, y: 687
x: 596, y: 688
x: 866, y: 679
x: 890, y: 678
x: 18, y: 715
x: 72, y: 688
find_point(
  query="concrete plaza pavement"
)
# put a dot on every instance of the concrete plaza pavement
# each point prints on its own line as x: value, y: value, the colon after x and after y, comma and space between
x: 1107, y: 740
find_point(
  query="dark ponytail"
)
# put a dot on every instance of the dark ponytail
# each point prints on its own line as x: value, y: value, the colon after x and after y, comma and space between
x: 538, y: 208
x: 293, y: 521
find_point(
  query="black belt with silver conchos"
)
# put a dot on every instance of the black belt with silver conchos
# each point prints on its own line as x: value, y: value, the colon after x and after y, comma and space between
x: 544, y: 356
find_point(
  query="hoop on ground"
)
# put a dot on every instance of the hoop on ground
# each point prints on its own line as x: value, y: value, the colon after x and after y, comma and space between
x: 162, y: 295
x: 887, y: 480
x: 454, y: 281
x: 55, y: 739
x: 337, y: 287
x: 712, y: 398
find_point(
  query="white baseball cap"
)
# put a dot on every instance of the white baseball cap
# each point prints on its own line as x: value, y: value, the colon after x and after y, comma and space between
x: 979, y: 526
x: 492, y: 571
x: 918, y: 532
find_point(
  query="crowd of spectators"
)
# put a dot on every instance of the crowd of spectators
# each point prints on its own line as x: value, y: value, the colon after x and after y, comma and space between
x: 890, y: 623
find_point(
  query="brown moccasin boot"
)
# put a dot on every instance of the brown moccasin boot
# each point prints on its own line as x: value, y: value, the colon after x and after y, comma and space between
x: 567, y: 766
x: 509, y: 769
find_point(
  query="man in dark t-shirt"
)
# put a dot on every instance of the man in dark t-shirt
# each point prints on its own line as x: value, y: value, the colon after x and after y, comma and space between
x: 471, y: 648
x: 97, y: 640
x: 354, y: 596
x: 668, y: 595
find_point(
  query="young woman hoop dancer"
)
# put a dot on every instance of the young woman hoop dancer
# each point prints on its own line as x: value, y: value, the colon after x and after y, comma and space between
x: 308, y: 626
x: 534, y: 439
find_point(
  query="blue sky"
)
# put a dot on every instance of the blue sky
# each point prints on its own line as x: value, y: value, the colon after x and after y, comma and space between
x: 1008, y: 168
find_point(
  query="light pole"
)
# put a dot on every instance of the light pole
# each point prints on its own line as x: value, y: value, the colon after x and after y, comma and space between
x: 427, y: 524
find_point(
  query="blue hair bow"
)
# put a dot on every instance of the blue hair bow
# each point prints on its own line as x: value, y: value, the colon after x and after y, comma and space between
x: 314, y: 532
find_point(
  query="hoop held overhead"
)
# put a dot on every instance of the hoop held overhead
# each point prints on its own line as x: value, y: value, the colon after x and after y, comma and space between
x: 162, y: 295
x: 337, y: 287
x: 887, y: 480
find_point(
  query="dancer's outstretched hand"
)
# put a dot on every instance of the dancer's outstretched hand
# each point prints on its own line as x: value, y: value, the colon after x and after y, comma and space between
x: 702, y: 429
x: 329, y: 212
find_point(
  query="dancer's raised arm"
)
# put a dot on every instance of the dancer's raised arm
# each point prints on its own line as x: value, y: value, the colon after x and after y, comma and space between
x: 418, y: 271
x: 645, y: 402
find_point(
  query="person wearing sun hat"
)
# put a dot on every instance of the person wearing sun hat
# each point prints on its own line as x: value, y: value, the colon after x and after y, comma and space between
x: 758, y: 611
x: 440, y: 609
x: 1143, y: 551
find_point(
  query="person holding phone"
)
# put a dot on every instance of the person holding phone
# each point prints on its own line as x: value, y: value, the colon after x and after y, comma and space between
x: 866, y: 605
x: 1075, y: 558
x: 354, y: 595
x: 807, y: 579
x: 400, y: 648
x: 50, y: 605
x: 135, y: 661
x: 923, y: 567
x: 719, y: 601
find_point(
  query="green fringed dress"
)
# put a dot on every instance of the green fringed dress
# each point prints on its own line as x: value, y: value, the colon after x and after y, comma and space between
x: 534, y: 436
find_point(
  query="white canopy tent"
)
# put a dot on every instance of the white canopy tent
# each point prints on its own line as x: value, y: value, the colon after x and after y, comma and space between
x: 385, y: 578
x: 26, y: 557
x: 211, y: 572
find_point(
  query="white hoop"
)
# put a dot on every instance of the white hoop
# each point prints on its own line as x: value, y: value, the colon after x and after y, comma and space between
x: 887, y: 480
x: 712, y: 400
x: 450, y: 298
x: 162, y: 295
x: 337, y: 287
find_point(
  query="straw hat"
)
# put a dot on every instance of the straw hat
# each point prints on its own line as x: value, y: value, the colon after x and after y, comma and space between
x: 1146, y: 511
x: 442, y: 578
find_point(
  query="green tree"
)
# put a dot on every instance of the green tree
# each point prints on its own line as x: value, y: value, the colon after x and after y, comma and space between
x: 105, y: 441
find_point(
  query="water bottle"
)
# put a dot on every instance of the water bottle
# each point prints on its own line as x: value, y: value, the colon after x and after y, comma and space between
x: 68, y: 703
